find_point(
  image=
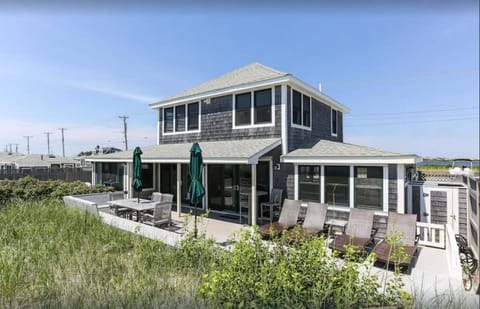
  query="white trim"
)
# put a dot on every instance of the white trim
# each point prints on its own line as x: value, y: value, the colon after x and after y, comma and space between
x: 331, y: 122
x: 252, y: 110
x: 254, y: 199
x: 293, y: 125
x: 373, y: 160
x: 159, y: 124
x: 255, y: 157
x: 385, y: 188
x: 322, y: 184
x: 284, y: 119
x: 186, y: 119
x: 179, y: 188
x: 282, y: 79
x: 295, y: 181
x: 401, y: 188
x: 351, y: 186
x: 205, y: 185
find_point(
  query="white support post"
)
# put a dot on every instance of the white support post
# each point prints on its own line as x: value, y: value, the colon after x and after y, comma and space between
x: 351, y: 187
x: 129, y: 180
x: 284, y: 120
x: 322, y: 184
x: 254, y: 195
x: 401, y: 188
x: 204, y: 182
x: 179, y: 189
x: 385, y: 188
x: 94, y: 173
x: 295, y: 182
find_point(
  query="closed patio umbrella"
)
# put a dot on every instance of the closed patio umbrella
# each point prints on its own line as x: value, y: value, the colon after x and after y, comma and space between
x: 137, y: 172
x: 196, y: 189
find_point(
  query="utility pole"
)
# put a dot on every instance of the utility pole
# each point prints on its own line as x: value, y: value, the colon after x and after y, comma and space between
x: 16, y: 148
x: 28, y: 143
x: 125, y: 129
x: 10, y: 146
x: 63, y: 142
x: 48, y: 141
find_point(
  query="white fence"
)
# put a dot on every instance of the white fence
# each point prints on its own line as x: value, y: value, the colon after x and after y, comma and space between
x: 432, y: 235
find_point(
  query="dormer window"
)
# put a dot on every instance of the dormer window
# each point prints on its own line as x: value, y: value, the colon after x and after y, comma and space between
x: 253, y: 108
x: 181, y: 118
x: 301, y: 110
x: 334, y: 122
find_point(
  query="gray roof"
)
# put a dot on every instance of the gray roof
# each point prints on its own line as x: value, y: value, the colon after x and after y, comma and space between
x: 325, y: 150
x: 238, y: 151
x: 35, y: 160
x: 254, y: 72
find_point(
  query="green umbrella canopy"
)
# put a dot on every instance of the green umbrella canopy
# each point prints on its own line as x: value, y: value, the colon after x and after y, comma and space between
x: 196, y: 189
x: 137, y: 170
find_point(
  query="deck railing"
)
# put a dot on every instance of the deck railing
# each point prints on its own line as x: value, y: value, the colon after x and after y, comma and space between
x: 431, y: 234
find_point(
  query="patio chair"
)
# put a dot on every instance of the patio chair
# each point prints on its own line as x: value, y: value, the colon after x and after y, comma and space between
x: 406, y: 225
x: 119, y: 211
x: 274, y: 202
x: 288, y: 218
x: 162, y: 213
x: 313, y: 224
x: 358, y: 232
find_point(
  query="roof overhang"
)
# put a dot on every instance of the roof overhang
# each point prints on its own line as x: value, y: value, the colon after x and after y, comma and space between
x: 288, y: 79
x: 250, y: 158
x: 368, y: 160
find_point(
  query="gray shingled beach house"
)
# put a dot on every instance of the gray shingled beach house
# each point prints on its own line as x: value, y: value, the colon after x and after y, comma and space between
x: 259, y: 129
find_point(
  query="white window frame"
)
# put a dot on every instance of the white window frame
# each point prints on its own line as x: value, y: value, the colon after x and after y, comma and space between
x: 331, y: 122
x: 294, y: 125
x: 252, y: 110
x: 186, y: 131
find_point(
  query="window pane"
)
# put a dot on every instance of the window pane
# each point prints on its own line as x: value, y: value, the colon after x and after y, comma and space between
x: 309, y: 183
x: 147, y: 175
x: 336, y: 185
x: 242, y: 108
x: 334, y: 121
x: 369, y: 187
x: 168, y: 119
x: 193, y: 116
x: 297, y: 107
x: 180, y: 118
x: 306, y: 111
x: 263, y: 106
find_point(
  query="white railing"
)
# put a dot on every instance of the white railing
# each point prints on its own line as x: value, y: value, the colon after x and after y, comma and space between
x: 453, y: 257
x: 431, y: 234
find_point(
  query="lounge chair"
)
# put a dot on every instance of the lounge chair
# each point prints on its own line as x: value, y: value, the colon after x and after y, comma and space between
x: 406, y: 225
x: 288, y: 218
x: 275, y: 202
x: 161, y: 213
x: 313, y: 224
x: 358, y: 231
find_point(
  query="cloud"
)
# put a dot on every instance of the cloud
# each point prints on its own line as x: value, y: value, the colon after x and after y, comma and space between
x: 108, y: 90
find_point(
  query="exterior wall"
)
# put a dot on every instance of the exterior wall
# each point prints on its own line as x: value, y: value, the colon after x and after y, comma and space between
x: 282, y: 178
x: 392, y: 188
x: 321, y: 125
x: 462, y: 212
x: 217, y: 123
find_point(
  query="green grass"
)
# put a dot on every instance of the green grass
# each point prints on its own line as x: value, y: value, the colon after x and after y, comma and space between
x: 51, y: 256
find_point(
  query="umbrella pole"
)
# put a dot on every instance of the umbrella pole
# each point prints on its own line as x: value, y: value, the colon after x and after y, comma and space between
x: 195, y: 228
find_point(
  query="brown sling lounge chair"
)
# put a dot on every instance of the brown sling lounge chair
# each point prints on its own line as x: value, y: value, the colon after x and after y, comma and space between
x: 288, y: 218
x: 405, y: 224
x: 358, y: 231
x: 313, y: 224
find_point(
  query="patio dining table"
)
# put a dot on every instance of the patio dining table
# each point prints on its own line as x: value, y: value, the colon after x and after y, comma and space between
x: 135, y: 205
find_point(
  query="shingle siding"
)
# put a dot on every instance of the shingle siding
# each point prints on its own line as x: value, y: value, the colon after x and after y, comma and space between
x: 438, y: 204
x: 217, y: 124
x: 321, y: 125
x: 392, y: 188
x: 462, y: 211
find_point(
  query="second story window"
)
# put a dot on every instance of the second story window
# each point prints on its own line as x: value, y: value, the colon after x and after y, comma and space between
x: 301, y: 110
x: 253, y: 108
x: 334, y: 122
x: 181, y: 118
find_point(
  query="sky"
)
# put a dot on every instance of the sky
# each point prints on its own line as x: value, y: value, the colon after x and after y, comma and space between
x: 410, y: 75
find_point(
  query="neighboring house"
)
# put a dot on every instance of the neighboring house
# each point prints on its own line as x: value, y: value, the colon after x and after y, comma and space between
x: 260, y: 126
x: 34, y: 162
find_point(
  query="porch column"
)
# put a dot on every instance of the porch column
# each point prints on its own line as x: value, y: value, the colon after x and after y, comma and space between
x: 129, y: 180
x: 254, y: 194
x: 179, y: 189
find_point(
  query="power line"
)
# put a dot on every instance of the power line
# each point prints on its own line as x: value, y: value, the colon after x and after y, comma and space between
x: 28, y: 143
x: 63, y: 141
x: 48, y: 140
x: 410, y: 122
x: 125, y: 129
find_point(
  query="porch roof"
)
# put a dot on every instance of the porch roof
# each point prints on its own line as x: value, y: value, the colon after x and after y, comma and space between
x: 234, y: 152
x: 329, y: 152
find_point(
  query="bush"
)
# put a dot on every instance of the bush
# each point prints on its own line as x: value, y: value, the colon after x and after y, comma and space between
x: 30, y: 188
